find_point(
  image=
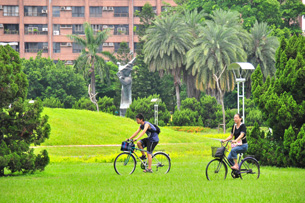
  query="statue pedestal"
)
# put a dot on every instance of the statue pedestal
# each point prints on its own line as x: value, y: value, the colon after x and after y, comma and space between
x: 123, y: 112
x: 123, y: 109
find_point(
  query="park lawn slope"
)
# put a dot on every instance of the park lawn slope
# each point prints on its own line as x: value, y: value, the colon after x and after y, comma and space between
x: 83, y: 127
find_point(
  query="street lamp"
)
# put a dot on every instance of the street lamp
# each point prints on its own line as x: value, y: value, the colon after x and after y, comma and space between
x: 156, y: 101
x: 241, y: 66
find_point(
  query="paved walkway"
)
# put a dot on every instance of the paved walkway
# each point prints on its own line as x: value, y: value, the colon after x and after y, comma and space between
x: 114, y: 145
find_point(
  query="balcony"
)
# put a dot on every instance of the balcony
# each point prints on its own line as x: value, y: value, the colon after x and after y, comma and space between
x: 35, y: 14
x: 34, y: 50
x: 26, y: 32
x: 121, y: 14
x: 11, y: 32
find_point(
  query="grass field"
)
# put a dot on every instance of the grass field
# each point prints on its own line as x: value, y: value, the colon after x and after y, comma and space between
x: 186, y: 182
x: 86, y: 174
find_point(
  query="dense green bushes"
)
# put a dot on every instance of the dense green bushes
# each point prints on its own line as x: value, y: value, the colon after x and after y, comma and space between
x: 105, y: 105
x: 21, y: 123
x: 53, y: 82
x: 146, y: 107
x: 205, y: 112
x: 282, y: 102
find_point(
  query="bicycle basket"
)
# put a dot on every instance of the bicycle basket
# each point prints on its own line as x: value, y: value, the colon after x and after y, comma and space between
x: 127, y: 146
x: 218, y: 152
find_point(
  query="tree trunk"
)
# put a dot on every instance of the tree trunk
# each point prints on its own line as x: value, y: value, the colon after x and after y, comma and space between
x: 177, y: 82
x: 178, y: 96
x: 221, y: 94
x: 248, y: 88
x: 192, y: 91
x: 91, y: 91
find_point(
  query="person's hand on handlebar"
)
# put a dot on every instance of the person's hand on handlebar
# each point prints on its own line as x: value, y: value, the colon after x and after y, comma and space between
x: 131, y: 140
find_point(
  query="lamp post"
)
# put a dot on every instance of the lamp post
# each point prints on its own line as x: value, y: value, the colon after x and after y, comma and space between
x: 156, y: 101
x: 241, y: 66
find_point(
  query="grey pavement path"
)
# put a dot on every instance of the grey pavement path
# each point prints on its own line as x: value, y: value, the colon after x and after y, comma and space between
x: 111, y: 145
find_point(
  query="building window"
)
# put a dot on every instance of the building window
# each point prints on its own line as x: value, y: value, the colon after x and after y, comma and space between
x: 11, y: 29
x: 35, y: 11
x: 56, y: 47
x: 39, y: 29
x: 56, y: 11
x: 78, y: 11
x: 117, y: 46
x: 96, y: 11
x: 77, y: 48
x: 137, y: 9
x: 78, y: 29
x: 97, y: 28
x: 121, y: 30
x: 121, y: 12
x: 34, y: 47
x: 10, y: 10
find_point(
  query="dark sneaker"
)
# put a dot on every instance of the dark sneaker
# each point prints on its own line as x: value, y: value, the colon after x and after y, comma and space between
x: 143, y: 157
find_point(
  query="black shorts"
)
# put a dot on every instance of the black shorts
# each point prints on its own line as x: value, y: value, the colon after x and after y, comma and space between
x: 150, y: 145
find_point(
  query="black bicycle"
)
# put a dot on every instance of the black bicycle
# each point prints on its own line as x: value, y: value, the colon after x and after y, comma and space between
x: 125, y: 163
x: 217, y: 169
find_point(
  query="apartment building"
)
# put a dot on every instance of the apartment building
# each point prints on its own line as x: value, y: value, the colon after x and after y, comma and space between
x: 33, y: 25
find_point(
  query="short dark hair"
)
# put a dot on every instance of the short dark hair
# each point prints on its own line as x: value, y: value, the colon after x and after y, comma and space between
x: 140, y: 116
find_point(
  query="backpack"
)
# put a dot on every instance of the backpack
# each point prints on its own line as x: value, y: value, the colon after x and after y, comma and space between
x: 157, y: 129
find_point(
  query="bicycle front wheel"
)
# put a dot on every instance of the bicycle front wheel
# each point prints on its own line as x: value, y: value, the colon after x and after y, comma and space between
x: 216, y: 170
x: 249, y: 169
x: 161, y: 163
x: 125, y: 163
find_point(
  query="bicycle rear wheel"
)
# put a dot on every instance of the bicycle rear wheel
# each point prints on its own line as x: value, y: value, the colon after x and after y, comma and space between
x: 161, y: 163
x: 125, y: 163
x: 216, y: 170
x: 249, y: 169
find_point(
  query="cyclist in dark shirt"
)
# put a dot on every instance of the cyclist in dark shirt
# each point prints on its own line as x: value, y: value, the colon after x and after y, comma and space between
x: 239, y: 132
x: 150, y: 142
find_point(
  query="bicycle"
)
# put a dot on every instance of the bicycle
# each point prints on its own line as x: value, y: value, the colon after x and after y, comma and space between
x: 217, y: 169
x: 125, y: 163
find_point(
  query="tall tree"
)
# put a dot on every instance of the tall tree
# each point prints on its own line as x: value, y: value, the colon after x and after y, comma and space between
x: 219, y: 44
x: 90, y: 60
x: 261, y: 52
x: 21, y: 123
x: 166, y: 44
x: 123, y: 54
x: 192, y: 19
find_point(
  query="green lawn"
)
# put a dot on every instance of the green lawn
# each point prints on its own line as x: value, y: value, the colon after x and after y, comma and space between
x: 186, y: 182
x: 86, y: 174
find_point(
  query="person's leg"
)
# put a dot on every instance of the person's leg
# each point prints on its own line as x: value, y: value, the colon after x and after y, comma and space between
x: 139, y: 144
x: 237, y: 150
x: 233, y: 157
x: 150, y: 148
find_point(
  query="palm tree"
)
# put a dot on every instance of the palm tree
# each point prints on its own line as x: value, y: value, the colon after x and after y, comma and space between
x: 216, y: 47
x: 165, y: 48
x: 91, y: 59
x: 192, y: 19
x: 261, y: 52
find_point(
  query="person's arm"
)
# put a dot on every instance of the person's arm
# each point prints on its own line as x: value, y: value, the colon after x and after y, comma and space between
x: 230, y: 136
x: 146, y: 126
x: 135, y: 134
x: 239, y: 137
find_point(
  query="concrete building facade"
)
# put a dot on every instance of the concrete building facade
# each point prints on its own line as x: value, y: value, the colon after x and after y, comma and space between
x: 33, y: 25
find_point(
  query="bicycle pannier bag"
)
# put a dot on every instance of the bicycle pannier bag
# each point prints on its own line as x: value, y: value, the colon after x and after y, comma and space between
x: 220, y: 152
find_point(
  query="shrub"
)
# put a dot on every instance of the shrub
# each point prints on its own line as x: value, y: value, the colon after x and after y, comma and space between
x: 84, y: 103
x: 52, y: 103
x: 146, y: 107
x: 106, y: 105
